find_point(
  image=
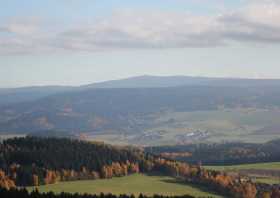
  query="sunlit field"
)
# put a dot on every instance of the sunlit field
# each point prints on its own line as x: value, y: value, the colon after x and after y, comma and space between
x: 133, y: 184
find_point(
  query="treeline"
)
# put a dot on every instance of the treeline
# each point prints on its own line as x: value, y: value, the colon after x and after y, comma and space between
x: 23, y: 193
x: 230, y: 186
x: 36, y: 161
x: 221, y: 153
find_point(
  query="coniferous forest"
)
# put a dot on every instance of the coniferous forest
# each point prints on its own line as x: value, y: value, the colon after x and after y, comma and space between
x: 34, y: 161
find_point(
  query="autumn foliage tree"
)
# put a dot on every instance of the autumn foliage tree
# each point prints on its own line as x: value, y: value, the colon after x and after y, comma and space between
x: 5, y: 181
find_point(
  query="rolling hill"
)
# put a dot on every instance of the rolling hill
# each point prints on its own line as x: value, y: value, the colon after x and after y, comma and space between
x: 151, y: 108
x: 26, y: 94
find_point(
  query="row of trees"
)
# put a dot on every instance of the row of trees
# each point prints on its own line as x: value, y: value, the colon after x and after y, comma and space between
x: 228, y: 185
x: 23, y: 193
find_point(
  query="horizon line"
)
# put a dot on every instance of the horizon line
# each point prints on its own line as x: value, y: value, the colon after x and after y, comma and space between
x: 139, y: 76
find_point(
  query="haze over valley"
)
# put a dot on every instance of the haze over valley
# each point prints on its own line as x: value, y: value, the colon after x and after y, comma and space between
x: 148, y: 110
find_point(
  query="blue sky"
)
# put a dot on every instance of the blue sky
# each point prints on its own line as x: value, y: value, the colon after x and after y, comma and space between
x: 73, y: 42
x: 85, y: 8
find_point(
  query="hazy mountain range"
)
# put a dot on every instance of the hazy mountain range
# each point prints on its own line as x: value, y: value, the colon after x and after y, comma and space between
x: 129, y: 106
x: 14, y: 95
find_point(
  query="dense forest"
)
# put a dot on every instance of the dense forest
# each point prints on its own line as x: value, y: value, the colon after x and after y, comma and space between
x: 36, y: 161
x: 221, y: 153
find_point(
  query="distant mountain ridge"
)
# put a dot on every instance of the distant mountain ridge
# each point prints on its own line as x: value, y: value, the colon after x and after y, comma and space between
x: 147, y: 81
x: 126, y: 109
x: 25, y: 94
x: 128, y: 106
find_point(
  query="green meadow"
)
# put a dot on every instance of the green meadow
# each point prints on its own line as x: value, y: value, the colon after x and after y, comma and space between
x: 133, y: 184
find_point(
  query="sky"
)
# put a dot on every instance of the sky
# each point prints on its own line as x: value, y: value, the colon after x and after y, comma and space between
x: 74, y: 42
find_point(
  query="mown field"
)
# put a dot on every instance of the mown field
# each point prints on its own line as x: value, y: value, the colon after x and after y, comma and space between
x: 133, y: 184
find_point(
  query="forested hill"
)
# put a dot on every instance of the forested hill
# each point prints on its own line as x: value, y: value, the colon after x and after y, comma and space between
x: 37, y: 161
x: 60, y: 153
x: 126, y: 110
x: 49, y: 159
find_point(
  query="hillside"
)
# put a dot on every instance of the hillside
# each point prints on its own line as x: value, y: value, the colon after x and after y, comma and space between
x: 52, y: 159
x: 204, y: 109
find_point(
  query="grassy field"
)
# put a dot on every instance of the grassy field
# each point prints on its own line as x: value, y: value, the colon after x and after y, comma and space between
x: 261, y: 166
x: 268, y: 180
x: 137, y: 183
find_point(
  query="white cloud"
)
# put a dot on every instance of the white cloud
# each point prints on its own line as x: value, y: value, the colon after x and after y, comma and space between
x: 258, y: 22
x: 128, y: 29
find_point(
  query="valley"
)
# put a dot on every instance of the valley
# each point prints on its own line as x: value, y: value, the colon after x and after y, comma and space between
x: 172, y: 128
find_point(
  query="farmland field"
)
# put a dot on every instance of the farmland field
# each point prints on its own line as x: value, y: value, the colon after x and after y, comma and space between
x: 133, y: 184
x: 268, y: 180
x: 171, y: 128
x: 259, y: 166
